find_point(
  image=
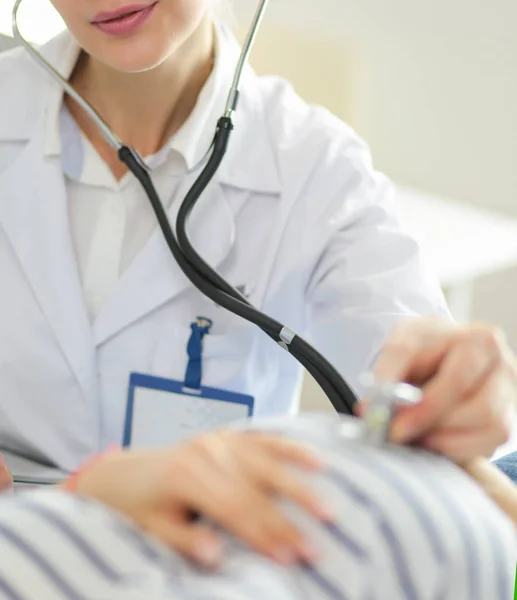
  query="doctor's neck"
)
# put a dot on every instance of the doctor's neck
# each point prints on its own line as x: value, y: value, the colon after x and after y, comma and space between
x: 144, y: 109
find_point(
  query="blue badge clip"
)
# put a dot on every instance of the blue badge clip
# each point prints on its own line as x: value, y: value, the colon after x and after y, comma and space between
x: 194, y: 372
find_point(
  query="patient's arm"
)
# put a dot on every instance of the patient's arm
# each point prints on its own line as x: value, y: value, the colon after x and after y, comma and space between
x: 496, y: 484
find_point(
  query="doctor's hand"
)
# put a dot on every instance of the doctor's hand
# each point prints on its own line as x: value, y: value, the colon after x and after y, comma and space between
x: 231, y: 478
x: 6, y: 479
x: 469, y: 378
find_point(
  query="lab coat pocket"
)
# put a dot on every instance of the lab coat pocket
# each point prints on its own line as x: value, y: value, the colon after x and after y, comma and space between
x: 228, y: 360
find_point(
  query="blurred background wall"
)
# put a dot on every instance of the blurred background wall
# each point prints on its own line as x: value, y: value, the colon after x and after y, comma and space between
x: 432, y: 87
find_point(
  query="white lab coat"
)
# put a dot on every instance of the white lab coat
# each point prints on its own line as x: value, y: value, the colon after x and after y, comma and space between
x: 296, y: 215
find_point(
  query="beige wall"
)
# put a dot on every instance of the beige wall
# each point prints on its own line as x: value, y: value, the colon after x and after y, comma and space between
x: 320, y: 74
x: 437, y: 85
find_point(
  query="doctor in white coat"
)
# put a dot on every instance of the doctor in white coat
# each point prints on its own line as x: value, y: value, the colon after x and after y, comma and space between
x: 296, y: 217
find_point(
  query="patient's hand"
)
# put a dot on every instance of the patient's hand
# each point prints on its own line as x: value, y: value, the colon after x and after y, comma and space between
x: 232, y: 478
x: 6, y: 479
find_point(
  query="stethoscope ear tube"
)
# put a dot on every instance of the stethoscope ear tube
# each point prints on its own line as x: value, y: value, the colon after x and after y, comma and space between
x: 210, y: 283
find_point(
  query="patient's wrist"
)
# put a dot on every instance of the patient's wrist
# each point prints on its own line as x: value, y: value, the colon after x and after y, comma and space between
x: 495, y: 483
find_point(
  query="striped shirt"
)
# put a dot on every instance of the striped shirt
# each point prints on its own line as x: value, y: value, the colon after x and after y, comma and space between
x: 409, y: 526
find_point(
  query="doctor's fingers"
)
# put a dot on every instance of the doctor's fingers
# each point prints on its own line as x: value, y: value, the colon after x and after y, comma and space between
x: 482, y: 421
x: 473, y: 357
x: 462, y: 445
x: 414, y: 350
x: 238, y: 504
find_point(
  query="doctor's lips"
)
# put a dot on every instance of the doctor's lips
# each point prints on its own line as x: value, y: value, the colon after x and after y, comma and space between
x: 124, y: 20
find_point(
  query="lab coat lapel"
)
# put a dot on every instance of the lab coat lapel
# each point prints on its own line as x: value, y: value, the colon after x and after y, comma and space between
x: 154, y: 278
x: 33, y: 214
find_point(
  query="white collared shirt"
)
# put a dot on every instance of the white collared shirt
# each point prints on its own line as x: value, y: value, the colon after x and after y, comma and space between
x: 110, y: 220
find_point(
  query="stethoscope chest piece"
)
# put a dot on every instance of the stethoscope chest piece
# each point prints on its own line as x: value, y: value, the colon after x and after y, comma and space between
x: 383, y: 400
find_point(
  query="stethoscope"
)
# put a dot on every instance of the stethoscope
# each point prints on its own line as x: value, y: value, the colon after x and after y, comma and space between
x: 202, y: 276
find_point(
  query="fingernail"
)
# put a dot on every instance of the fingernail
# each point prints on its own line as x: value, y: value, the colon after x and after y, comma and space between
x: 208, y: 552
x: 308, y: 552
x: 284, y: 555
x: 313, y: 461
x: 359, y: 408
x: 316, y: 462
x: 325, y: 512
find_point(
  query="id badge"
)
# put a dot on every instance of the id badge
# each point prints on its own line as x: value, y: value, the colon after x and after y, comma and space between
x: 162, y: 412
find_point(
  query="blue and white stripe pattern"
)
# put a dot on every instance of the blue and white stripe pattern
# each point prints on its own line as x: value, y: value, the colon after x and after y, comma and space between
x: 409, y: 527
